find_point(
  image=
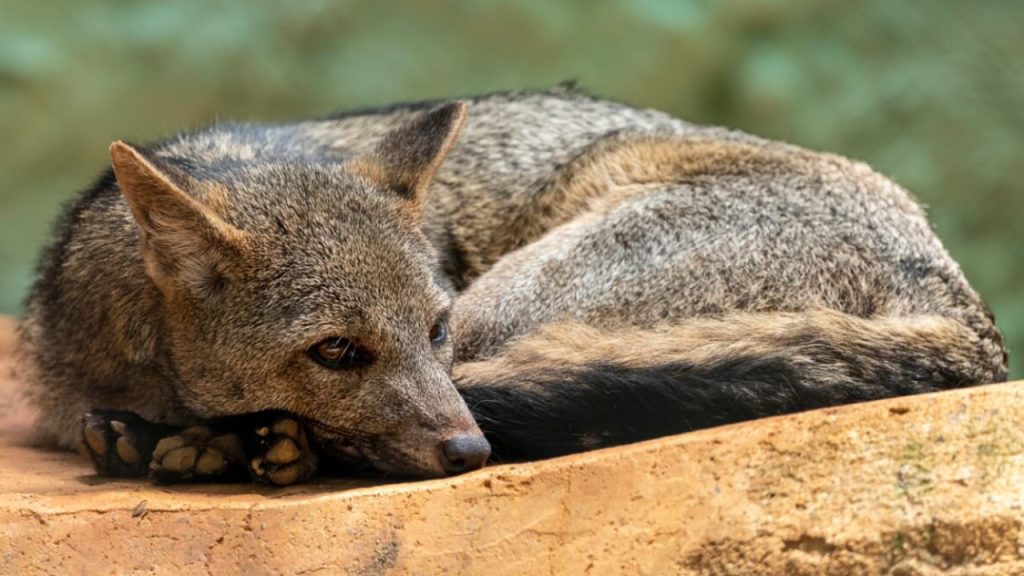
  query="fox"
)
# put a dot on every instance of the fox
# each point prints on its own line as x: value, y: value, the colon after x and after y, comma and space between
x: 425, y: 287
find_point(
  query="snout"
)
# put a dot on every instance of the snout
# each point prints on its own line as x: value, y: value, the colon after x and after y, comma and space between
x: 463, y: 453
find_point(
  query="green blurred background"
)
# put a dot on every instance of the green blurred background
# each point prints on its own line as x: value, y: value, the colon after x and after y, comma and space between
x: 930, y: 92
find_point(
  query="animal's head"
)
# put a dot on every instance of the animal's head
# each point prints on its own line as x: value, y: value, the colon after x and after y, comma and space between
x: 306, y: 285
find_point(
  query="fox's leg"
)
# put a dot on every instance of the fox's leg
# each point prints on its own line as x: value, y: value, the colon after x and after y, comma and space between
x: 124, y: 444
x: 198, y: 454
x: 636, y: 259
x: 120, y: 443
x: 267, y: 447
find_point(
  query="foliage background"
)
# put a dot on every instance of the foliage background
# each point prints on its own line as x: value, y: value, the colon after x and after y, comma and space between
x: 930, y: 92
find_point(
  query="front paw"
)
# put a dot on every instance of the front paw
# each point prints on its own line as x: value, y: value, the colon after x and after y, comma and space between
x: 119, y: 443
x: 282, y: 456
x: 195, y: 455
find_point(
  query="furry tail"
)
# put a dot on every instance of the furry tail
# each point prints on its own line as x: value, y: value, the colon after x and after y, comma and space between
x: 568, y: 387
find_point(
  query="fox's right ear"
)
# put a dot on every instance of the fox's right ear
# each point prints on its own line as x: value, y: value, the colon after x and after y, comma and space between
x: 184, y: 243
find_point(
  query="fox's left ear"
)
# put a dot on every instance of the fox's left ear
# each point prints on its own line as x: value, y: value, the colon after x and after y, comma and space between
x: 407, y: 158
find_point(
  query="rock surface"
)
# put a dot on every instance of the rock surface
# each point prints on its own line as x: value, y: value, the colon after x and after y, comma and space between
x: 922, y: 485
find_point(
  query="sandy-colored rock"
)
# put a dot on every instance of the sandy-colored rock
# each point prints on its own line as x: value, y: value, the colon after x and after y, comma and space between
x: 923, y: 485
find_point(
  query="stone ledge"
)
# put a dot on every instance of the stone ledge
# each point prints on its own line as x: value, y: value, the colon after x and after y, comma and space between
x: 922, y: 485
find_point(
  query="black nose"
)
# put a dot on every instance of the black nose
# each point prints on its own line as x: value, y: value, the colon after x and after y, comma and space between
x: 464, y: 453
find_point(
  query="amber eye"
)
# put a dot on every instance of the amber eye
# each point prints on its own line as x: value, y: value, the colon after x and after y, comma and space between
x: 439, y: 333
x: 339, y: 354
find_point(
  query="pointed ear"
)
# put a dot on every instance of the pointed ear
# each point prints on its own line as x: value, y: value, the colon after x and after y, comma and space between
x: 407, y: 158
x: 183, y: 242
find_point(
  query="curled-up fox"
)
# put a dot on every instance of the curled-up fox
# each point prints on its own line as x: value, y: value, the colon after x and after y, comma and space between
x: 422, y: 287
